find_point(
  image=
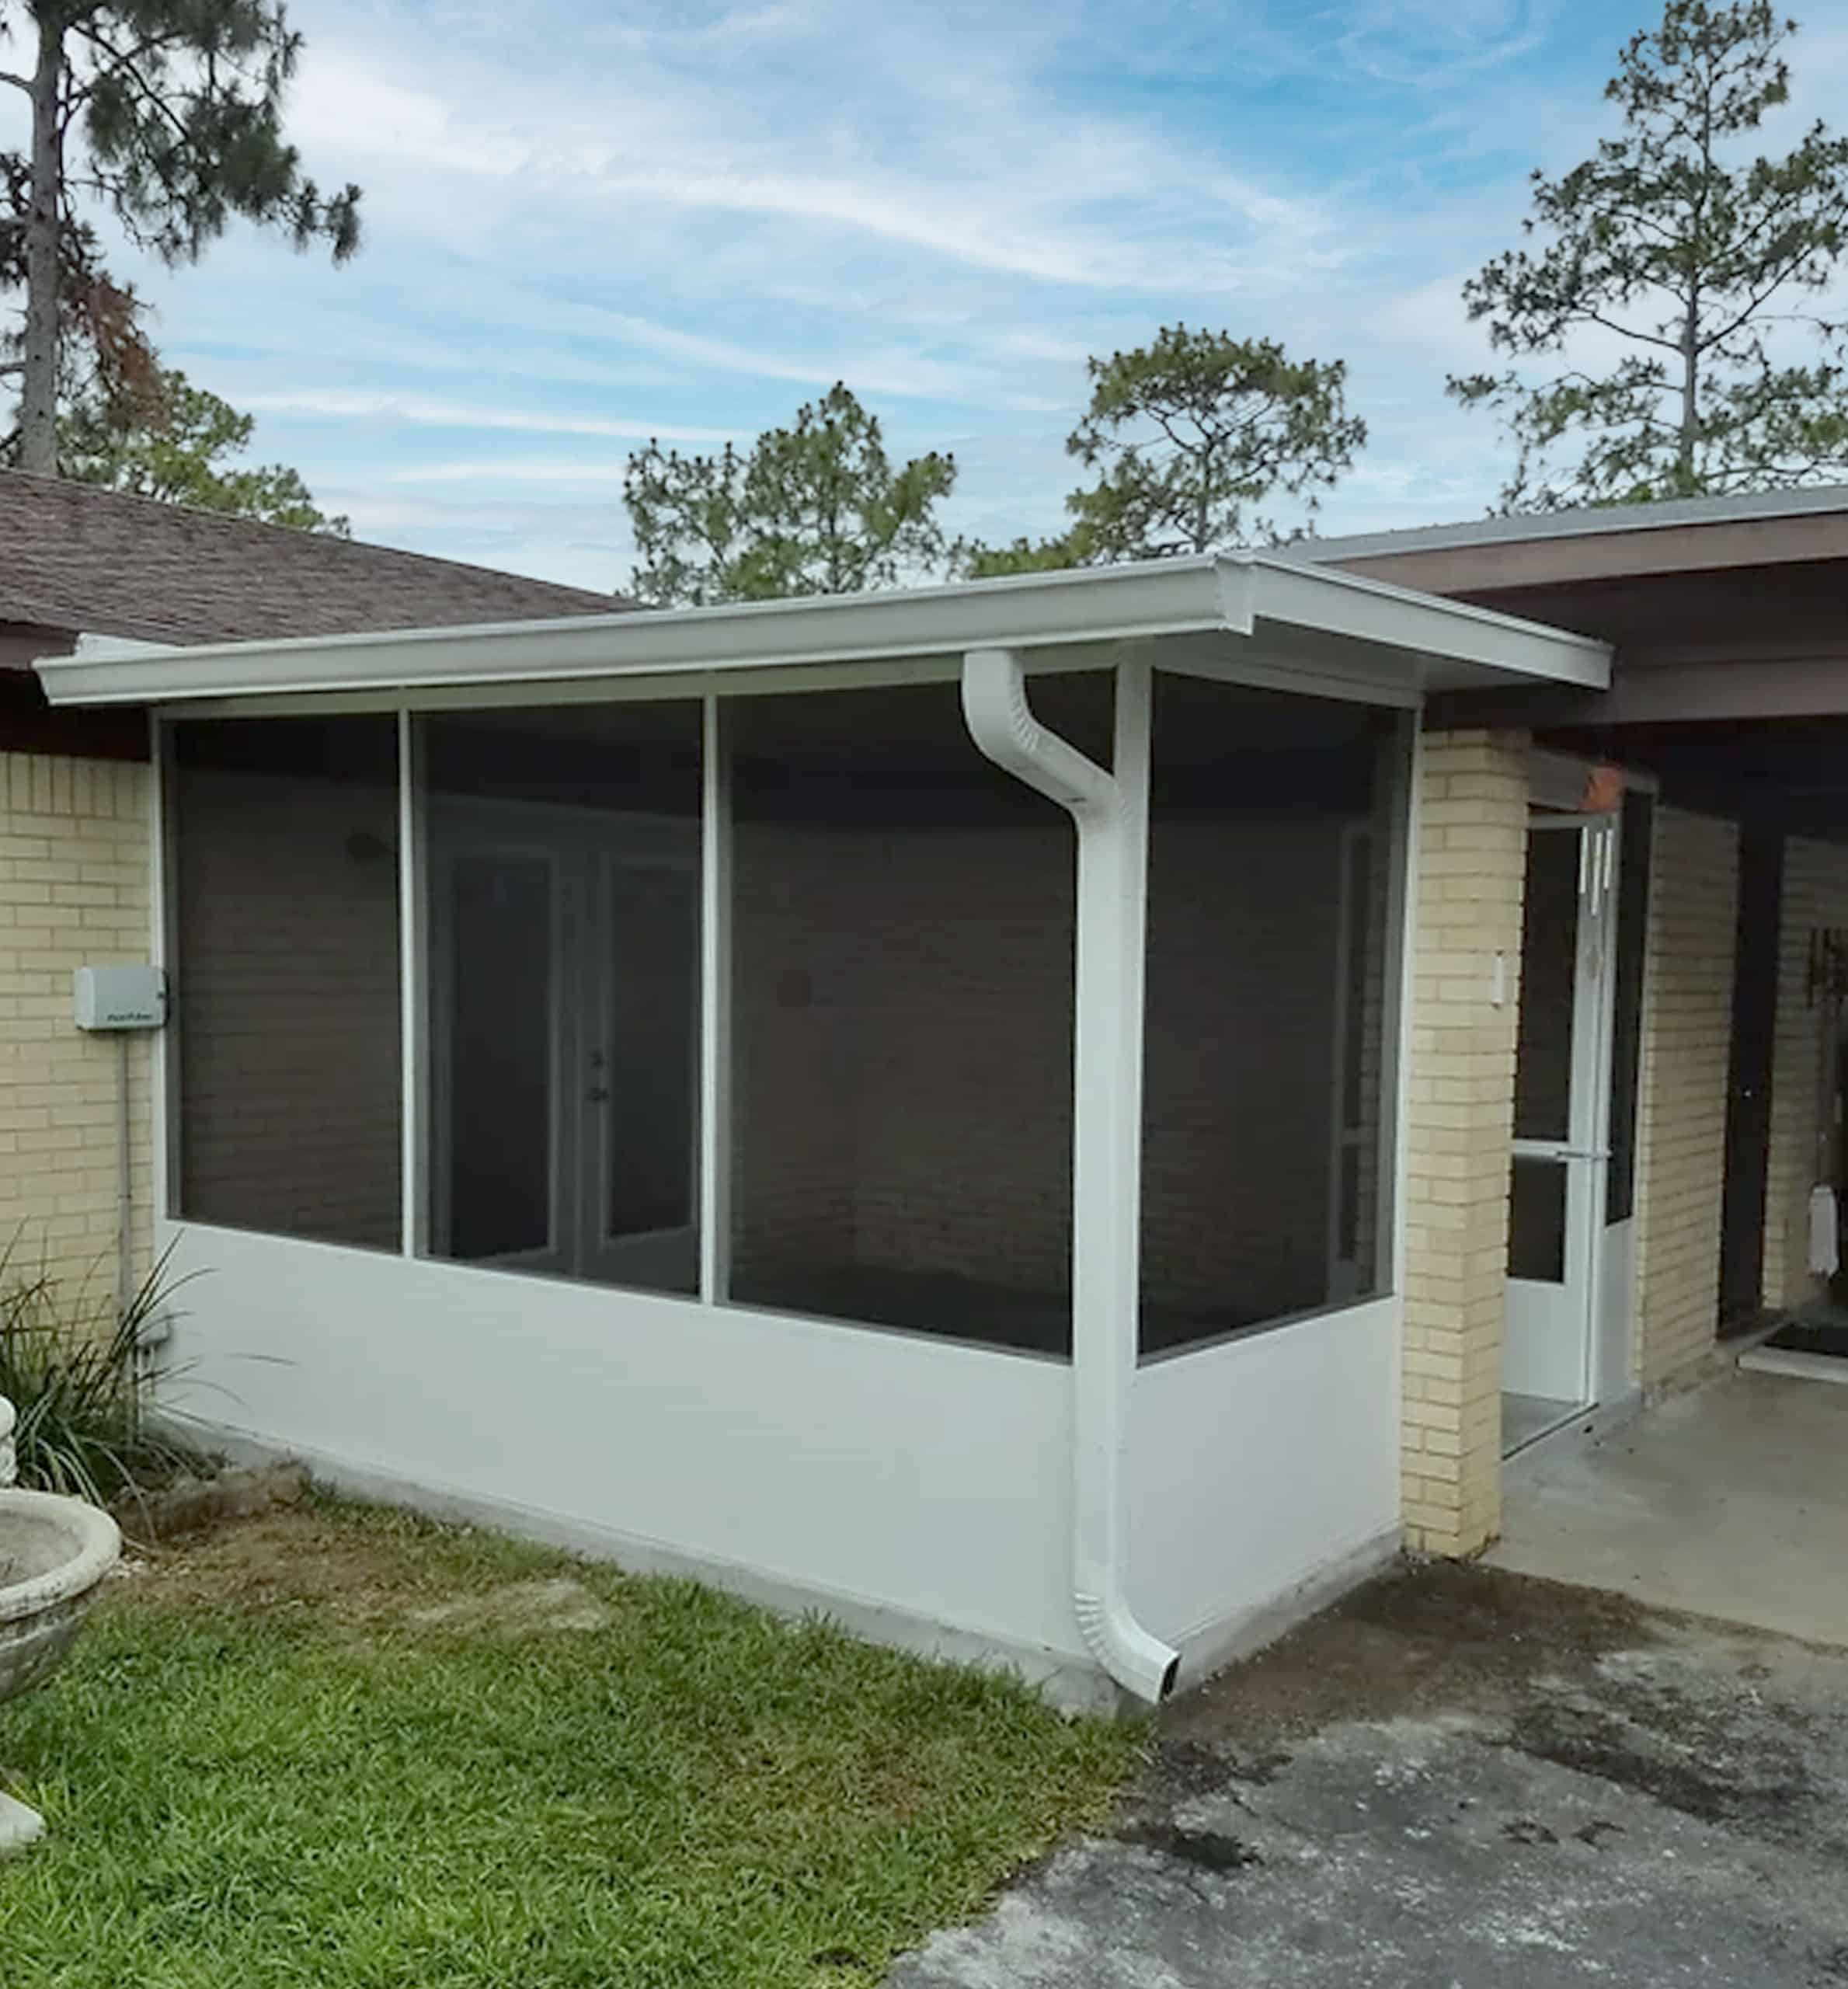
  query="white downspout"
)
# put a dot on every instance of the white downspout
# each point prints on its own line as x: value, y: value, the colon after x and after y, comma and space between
x: 1106, y: 1135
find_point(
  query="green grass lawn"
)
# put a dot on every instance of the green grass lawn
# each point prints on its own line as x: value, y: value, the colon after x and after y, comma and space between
x: 340, y: 1747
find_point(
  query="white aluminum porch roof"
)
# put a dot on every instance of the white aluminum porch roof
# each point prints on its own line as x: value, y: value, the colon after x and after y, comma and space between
x: 1290, y: 619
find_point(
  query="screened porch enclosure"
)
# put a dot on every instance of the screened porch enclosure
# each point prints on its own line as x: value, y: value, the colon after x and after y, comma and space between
x: 766, y: 1001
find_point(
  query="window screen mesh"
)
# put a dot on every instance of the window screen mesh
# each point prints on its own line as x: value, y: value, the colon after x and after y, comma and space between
x: 1273, y: 850
x: 287, y: 977
x: 902, y: 1015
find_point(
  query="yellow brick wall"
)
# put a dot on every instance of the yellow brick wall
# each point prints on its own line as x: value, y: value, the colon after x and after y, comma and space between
x: 73, y: 886
x: 1472, y: 831
x: 1681, y: 1130
x: 1815, y: 894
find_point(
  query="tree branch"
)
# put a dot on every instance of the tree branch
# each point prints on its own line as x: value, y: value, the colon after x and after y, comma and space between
x: 124, y: 68
x: 119, y: 59
x: 1597, y: 318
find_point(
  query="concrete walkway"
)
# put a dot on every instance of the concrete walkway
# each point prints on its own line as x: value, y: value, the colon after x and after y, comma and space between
x: 1461, y: 1779
x: 1731, y: 1502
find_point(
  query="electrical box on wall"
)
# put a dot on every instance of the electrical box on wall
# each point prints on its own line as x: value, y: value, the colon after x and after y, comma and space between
x: 109, y: 997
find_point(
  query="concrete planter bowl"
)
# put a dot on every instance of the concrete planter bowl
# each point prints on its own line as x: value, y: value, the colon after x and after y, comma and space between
x: 53, y: 1555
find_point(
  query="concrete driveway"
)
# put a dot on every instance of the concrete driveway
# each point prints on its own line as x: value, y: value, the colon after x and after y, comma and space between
x: 1463, y: 1776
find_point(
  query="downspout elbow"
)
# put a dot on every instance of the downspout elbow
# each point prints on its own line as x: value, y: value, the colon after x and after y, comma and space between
x: 1139, y: 1661
x: 1002, y: 725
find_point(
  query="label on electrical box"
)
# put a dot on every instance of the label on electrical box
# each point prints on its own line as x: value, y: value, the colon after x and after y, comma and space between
x: 111, y: 998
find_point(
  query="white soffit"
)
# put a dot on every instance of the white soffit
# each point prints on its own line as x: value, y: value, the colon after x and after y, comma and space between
x: 1276, y: 605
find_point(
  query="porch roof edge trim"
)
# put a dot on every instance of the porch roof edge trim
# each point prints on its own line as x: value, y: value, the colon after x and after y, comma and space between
x: 1226, y: 593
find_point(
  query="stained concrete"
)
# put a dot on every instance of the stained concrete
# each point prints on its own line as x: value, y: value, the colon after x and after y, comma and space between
x: 1731, y: 1502
x: 1461, y: 1776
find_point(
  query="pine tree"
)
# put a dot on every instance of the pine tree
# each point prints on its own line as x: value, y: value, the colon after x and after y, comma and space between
x: 1189, y: 435
x: 1696, y: 256
x: 816, y: 507
x: 170, y: 113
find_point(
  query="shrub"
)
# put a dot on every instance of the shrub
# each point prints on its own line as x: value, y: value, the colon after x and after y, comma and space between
x: 77, y: 1377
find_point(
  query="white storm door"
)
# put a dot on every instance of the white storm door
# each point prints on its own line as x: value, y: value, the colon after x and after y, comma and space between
x: 1560, y: 1154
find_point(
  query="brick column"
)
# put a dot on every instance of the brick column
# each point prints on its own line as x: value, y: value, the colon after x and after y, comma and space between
x: 1815, y: 894
x: 1471, y: 869
x: 1681, y: 1123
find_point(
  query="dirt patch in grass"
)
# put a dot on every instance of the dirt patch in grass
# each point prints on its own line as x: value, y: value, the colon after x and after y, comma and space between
x: 349, y: 1564
x: 520, y: 1609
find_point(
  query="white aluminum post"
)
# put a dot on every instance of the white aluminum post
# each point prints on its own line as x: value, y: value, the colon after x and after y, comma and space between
x: 164, y: 1053
x: 714, y: 1008
x: 412, y: 1117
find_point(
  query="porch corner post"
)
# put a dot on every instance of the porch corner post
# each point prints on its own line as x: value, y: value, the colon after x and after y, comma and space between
x: 163, y: 1061
x: 1109, y: 813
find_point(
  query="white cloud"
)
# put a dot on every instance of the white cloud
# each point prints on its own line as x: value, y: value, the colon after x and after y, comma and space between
x: 423, y: 410
x: 477, y: 473
x: 591, y: 222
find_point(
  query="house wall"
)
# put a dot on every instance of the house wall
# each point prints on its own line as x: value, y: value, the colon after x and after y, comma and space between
x: 1816, y: 894
x: 1681, y: 1128
x: 74, y: 891
x: 1470, y: 838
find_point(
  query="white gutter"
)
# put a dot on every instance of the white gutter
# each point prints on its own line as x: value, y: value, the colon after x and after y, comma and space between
x: 1105, y: 1135
x: 1092, y: 609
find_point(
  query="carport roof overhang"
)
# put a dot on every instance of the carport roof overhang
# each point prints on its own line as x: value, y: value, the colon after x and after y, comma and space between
x: 1290, y: 623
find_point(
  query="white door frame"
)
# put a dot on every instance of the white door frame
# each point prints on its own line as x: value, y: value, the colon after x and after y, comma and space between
x: 1549, y: 1346
x: 658, y: 1259
x: 458, y: 833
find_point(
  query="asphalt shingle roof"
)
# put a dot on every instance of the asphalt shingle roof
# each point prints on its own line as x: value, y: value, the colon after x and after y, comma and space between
x: 77, y: 557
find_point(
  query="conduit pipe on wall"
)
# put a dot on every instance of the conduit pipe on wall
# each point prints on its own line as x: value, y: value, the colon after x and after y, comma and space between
x: 1105, y: 1205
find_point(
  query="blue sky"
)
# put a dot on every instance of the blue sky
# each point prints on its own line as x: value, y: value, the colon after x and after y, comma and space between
x: 588, y: 221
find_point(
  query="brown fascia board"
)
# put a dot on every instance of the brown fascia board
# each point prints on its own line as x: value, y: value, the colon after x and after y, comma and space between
x: 23, y: 643
x: 1491, y: 565
x: 29, y: 724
